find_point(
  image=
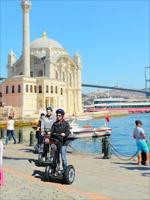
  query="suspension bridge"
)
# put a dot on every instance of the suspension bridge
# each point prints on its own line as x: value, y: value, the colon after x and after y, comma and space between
x: 146, y: 92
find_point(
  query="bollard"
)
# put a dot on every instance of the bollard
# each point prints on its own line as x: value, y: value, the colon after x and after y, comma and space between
x: 20, y: 136
x: 1, y: 133
x: 106, y: 147
x: 31, y: 138
x: 102, y: 141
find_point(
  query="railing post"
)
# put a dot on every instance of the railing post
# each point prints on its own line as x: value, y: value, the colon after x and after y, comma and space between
x: 20, y: 136
x: 31, y: 138
x: 102, y: 142
x: 106, y: 147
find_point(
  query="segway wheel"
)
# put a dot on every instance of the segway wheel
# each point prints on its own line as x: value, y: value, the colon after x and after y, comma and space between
x: 40, y: 159
x: 69, y: 175
x: 48, y: 173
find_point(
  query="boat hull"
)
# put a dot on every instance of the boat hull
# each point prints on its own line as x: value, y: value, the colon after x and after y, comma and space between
x: 90, y: 133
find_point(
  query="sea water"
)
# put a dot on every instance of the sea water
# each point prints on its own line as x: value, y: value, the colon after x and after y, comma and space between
x: 121, y: 137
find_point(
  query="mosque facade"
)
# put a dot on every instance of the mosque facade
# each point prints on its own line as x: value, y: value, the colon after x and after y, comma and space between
x: 44, y: 75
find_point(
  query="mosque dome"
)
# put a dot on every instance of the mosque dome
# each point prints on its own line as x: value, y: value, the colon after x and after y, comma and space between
x: 45, y: 42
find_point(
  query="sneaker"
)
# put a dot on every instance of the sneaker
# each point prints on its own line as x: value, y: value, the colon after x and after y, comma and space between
x: 55, y: 174
x: 147, y: 164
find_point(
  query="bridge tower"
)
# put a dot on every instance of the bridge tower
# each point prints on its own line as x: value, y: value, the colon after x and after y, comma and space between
x: 147, y: 80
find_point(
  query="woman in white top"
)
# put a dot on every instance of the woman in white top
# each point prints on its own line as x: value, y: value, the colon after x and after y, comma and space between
x: 10, y: 129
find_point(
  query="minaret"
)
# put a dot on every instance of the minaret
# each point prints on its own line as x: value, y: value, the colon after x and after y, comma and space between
x: 77, y: 60
x: 26, y: 5
x: 10, y: 63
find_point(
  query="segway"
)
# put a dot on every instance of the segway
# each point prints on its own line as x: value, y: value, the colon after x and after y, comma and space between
x: 44, y: 148
x: 52, y: 170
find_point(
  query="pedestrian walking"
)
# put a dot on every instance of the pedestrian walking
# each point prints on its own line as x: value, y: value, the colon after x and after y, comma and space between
x: 10, y: 129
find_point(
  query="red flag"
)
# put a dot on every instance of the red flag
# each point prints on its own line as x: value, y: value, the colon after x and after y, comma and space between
x: 107, y: 118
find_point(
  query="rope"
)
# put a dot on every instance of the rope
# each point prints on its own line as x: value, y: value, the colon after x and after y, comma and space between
x: 118, y: 156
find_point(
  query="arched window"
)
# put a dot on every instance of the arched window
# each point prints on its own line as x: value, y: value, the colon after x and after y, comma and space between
x: 40, y: 73
x: 27, y: 89
x: 35, y: 88
x: 36, y: 61
x: 31, y: 88
x: 47, y: 89
x: 40, y: 89
x: 51, y: 89
x: 13, y: 89
x: 31, y: 73
x: 19, y: 88
x: 7, y: 89
x: 56, y: 75
x: 70, y: 80
x: 61, y: 91
x: 56, y: 89
x: 64, y: 76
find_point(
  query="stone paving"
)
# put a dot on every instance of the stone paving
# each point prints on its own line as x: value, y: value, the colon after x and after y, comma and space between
x: 96, y: 178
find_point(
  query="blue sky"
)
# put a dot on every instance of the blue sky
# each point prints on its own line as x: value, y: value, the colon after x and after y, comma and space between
x: 113, y: 37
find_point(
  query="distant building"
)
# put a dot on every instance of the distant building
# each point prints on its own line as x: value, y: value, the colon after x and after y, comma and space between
x: 44, y: 75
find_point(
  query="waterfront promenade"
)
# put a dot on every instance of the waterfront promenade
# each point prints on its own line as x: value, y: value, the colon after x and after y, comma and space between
x: 96, y: 178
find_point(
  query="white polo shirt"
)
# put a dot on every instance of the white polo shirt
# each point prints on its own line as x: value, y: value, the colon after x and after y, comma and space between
x: 10, y: 124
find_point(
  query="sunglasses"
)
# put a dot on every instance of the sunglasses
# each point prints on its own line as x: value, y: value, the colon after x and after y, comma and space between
x: 59, y: 115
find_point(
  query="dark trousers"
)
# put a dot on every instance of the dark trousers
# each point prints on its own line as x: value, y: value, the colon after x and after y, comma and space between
x: 39, y: 137
x: 9, y: 134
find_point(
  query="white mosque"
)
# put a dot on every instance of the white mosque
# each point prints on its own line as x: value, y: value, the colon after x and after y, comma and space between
x: 44, y: 75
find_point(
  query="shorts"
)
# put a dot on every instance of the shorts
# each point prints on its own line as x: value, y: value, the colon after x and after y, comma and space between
x: 142, y: 146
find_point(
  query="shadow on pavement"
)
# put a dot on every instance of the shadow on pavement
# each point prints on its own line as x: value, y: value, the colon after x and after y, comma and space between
x: 28, y: 150
x: 143, y: 168
x: 100, y: 158
x: 146, y: 174
x: 36, y: 162
x: 12, y: 158
x: 41, y: 175
x: 125, y: 163
x: 135, y: 167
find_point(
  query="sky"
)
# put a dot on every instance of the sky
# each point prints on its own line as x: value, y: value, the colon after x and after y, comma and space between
x: 112, y: 37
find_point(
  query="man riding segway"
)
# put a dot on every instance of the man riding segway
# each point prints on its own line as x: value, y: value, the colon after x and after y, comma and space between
x: 46, y: 125
x: 60, y: 130
x: 59, y: 133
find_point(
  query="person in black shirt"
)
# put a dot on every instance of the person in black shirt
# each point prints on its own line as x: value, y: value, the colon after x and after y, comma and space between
x: 60, y: 130
x: 38, y: 130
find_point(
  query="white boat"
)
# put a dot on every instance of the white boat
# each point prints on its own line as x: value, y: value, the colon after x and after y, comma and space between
x: 84, y: 118
x: 87, y: 131
x: 110, y: 103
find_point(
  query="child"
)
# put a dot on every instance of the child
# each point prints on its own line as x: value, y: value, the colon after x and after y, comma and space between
x: 140, y: 137
x: 1, y: 159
